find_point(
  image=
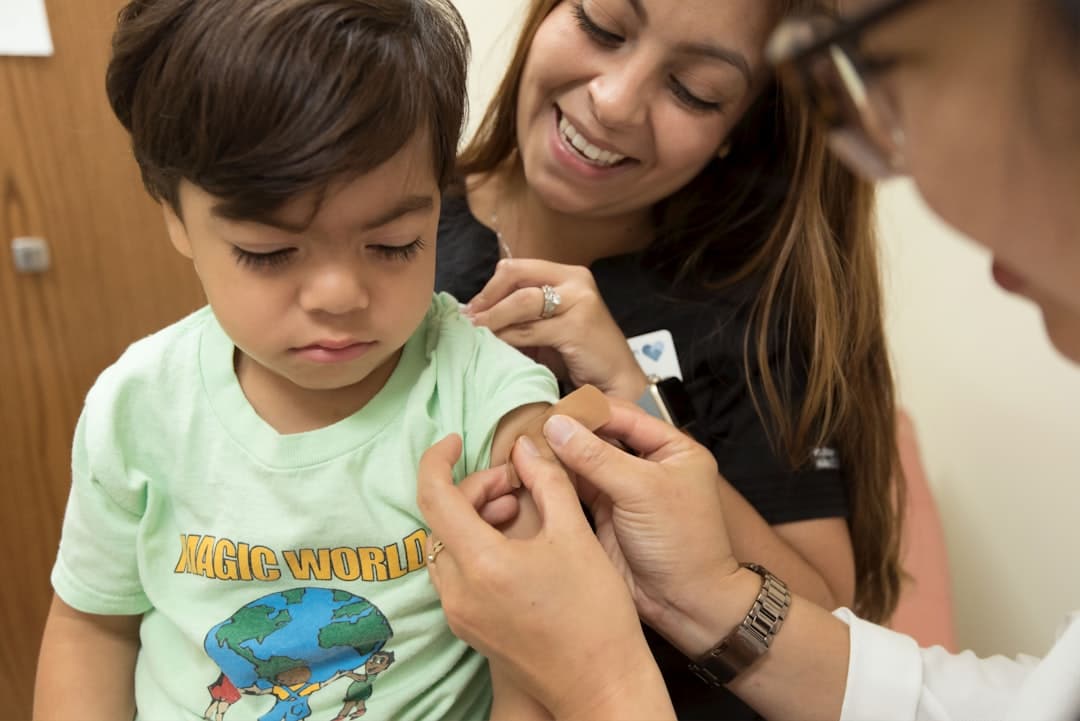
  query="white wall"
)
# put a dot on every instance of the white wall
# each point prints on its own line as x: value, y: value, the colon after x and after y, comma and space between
x: 998, y: 413
x: 493, y: 27
x: 999, y: 420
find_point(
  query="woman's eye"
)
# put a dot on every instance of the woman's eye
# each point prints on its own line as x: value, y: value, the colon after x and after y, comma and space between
x: 597, y: 33
x: 873, y: 66
x: 262, y: 261
x: 399, y: 252
x: 692, y: 101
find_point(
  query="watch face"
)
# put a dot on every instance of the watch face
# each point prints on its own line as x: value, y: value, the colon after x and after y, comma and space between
x: 677, y: 401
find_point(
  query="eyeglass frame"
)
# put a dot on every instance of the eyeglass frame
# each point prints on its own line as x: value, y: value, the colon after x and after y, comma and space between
x: 789, y: 51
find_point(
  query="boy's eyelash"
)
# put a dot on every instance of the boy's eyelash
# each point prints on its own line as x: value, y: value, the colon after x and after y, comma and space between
x: 399, y: 252
x: 277, y: 258
x: 262, y: 261
x: 597, y: 33
x: 611, y: 40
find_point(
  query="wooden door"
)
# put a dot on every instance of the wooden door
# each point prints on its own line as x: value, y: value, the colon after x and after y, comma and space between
x: 66, y: 175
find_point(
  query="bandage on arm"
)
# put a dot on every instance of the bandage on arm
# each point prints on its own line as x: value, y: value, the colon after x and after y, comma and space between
x: 587, y: 405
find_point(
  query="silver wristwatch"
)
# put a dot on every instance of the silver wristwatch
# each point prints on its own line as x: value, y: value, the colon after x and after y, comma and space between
x: 751, y: 638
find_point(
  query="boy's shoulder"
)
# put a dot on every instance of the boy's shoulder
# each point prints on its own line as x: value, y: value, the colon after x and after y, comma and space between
x: 462, y: 353
x: 449, y: 333
x: 163, y: 359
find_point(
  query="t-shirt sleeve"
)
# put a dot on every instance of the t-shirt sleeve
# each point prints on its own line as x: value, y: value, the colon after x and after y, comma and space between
x: 503, y: 379
x: 96, y: 570
x: 495, y: 378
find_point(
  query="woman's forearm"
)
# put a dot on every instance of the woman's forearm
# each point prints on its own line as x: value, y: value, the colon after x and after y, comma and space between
x: 801, y: 676
x: 639, y: 695
x: 828, y: 581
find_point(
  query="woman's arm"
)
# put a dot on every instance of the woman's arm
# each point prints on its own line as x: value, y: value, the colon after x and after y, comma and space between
x: 577, y: 646
x: 814, y: 557
x: 86, y: 669
x: 661, y: 506
x: 501, y: 595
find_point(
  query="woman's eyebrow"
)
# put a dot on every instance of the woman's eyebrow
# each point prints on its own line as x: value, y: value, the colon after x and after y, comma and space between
x: 718, y: 52
x: 707, y: 50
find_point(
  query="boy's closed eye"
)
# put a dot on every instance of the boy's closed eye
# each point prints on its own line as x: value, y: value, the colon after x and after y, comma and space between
x: 281, y: 256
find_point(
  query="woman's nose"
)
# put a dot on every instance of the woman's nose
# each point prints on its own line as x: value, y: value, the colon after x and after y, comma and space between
x: 618, y: 98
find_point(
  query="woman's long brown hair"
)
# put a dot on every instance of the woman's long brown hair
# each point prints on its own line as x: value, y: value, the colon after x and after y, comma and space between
x: 781, y: 215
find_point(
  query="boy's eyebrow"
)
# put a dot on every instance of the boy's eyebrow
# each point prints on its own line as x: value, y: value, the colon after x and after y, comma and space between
x: 405, y: 206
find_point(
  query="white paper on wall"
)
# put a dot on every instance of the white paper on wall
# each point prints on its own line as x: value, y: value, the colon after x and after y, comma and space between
x: 24, y: 28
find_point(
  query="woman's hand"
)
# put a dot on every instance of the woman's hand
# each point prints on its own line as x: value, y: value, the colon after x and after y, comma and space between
x: 658, y: 516
x: 590, y: 347
x: 550, y: 610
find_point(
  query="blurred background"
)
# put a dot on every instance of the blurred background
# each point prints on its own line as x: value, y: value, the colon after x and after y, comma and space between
x: 996, y: 412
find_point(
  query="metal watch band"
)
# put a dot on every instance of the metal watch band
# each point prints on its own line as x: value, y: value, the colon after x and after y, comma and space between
x: 751, y: 638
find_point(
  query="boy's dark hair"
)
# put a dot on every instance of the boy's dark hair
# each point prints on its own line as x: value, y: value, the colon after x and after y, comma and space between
x: 258, y: 101
x: 1071, y: 10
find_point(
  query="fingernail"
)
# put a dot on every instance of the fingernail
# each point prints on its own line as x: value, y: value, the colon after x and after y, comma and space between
x: 558, y: 430
x: 526, y: 445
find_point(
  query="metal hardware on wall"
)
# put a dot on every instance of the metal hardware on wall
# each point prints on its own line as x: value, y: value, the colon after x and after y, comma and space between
x: 31, y: 255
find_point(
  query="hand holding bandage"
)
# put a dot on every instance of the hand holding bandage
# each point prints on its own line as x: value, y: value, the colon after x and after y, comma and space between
x: 587, y: 405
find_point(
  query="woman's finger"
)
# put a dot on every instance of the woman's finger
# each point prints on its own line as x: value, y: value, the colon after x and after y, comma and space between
x: 483, y: 487
x: 551, y: 489
x: 616, y: 473
x: 448, y: 509
x: 501, y: 510
x: 647, y: 435
x: 541, y: 334
x: 512, y: 274
x: 522, y: 306
x: 444, y: 572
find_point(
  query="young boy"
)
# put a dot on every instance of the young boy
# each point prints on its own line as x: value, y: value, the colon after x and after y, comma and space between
x: 242, y: 519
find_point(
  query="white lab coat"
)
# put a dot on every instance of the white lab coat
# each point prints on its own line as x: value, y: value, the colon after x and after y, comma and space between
x: 891, y: 678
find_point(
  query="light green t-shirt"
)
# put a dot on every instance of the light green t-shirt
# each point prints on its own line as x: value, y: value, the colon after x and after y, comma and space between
x: 266, y: 566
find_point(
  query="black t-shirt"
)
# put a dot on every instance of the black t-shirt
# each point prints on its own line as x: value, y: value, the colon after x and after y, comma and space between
x: 708, y: 337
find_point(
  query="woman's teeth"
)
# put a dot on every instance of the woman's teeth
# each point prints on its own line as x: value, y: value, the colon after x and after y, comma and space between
x: 587, y: 150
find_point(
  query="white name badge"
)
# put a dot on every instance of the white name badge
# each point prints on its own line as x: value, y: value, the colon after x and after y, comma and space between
x: 655, y: 353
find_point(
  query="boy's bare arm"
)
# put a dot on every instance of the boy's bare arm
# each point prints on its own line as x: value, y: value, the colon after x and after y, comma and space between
x: 86, y: 669
x: 587, y: 404
x: 527, y: 522
x: 510, y: 703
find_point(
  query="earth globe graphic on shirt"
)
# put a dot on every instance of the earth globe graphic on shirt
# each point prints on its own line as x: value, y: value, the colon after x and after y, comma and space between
x: 288, y: 645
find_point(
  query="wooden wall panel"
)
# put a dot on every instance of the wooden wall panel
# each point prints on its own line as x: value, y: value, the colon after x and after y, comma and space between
x: 66, y: 174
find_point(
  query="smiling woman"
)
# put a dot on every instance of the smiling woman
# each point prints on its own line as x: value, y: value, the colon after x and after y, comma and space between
x: 986, y: 110
x: 639, y: 162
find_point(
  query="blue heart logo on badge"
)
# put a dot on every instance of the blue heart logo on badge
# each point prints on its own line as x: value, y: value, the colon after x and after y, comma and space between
x: 653, y: 351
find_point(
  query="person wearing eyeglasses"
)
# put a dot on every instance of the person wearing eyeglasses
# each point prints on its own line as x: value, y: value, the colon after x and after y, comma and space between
x: 979, y: 102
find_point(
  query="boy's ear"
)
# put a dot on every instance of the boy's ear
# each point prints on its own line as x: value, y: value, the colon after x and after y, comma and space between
x: 177, y: 232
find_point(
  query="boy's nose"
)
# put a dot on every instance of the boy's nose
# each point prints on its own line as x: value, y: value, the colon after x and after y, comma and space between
x: 336, y: 289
